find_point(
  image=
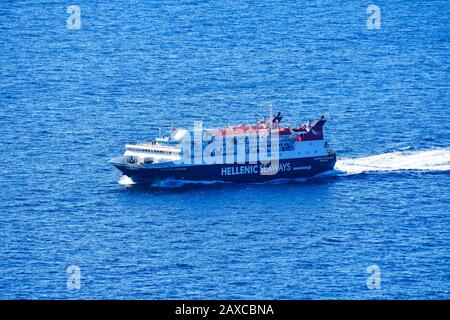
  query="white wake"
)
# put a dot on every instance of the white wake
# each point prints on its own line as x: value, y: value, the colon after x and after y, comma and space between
x: 126, y: 181
x: 426, y: 160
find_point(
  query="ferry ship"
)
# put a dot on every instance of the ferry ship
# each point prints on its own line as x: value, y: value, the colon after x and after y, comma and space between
x: 256, y: 152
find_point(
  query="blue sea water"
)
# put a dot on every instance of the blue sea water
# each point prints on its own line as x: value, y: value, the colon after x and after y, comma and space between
x: 70, y: 100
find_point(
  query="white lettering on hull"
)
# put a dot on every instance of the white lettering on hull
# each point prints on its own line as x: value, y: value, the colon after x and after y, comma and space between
x: 255, y: 169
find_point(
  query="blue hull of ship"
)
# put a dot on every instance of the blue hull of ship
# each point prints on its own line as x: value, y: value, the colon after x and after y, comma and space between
x: 238, y: 173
